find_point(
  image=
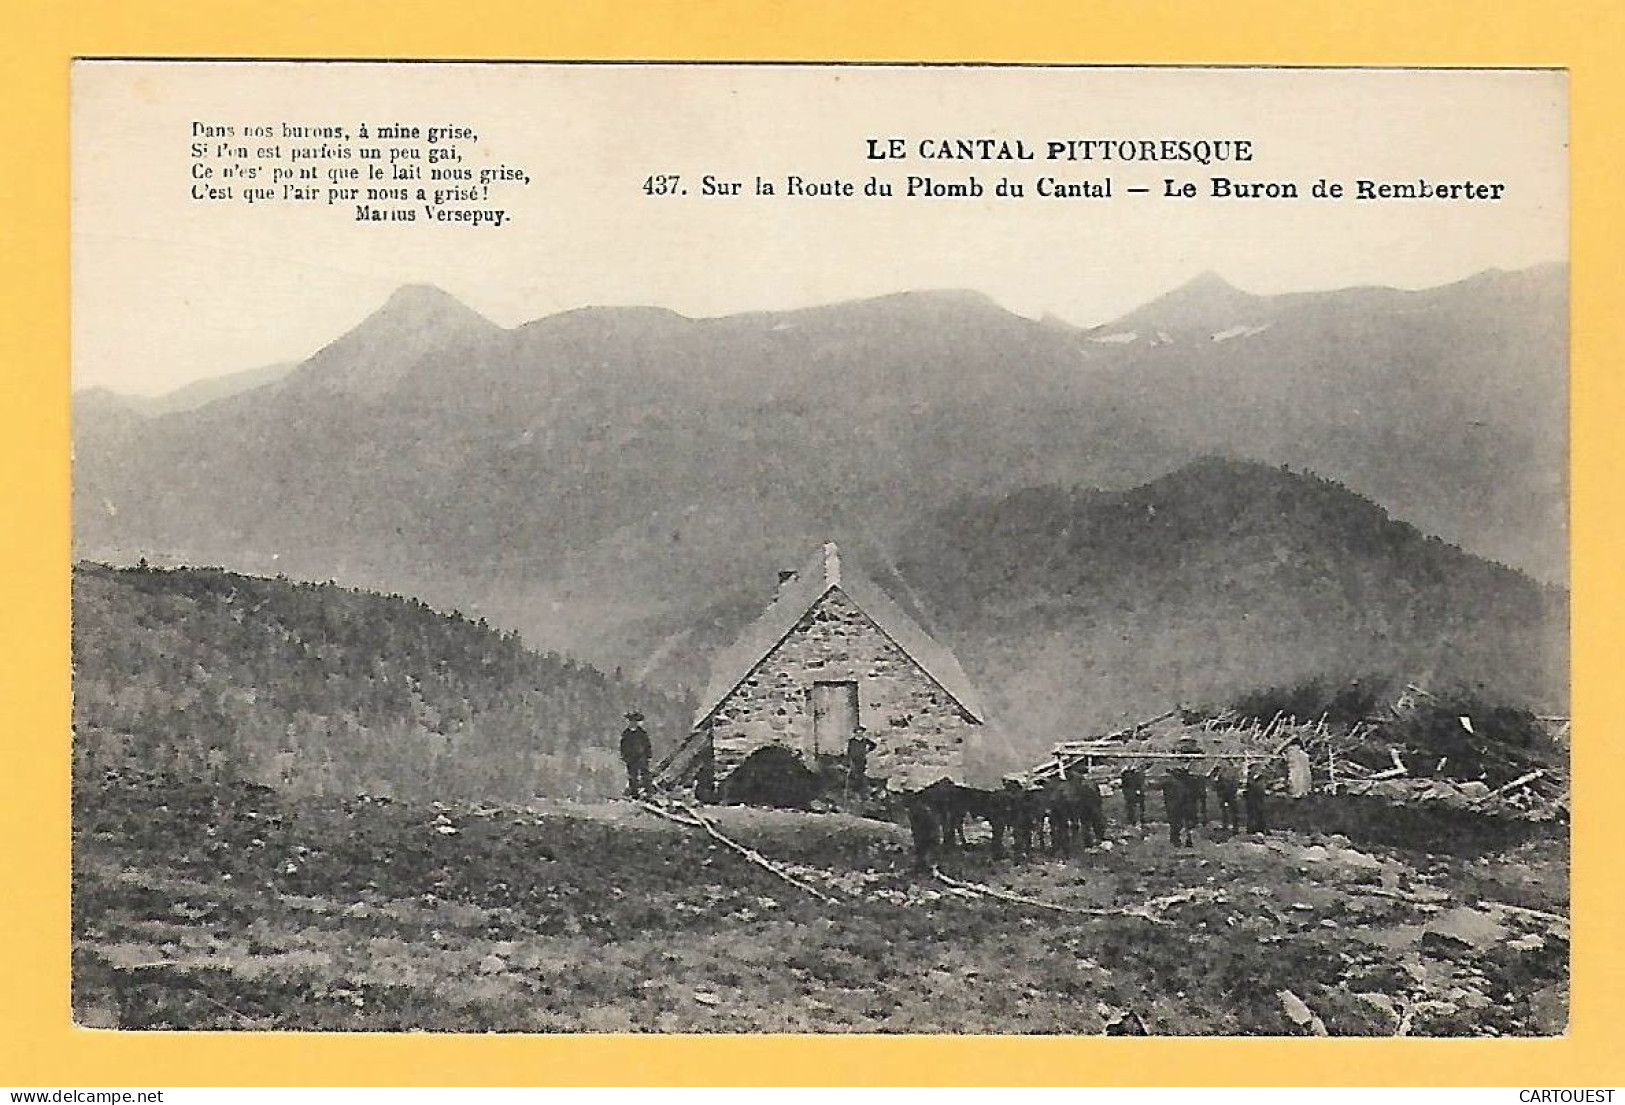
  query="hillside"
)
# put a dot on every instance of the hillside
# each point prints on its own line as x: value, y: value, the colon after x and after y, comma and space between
x: 1078, y: 610
x: 589, y: 475
x: 232, y: 909
x: 320, y: 689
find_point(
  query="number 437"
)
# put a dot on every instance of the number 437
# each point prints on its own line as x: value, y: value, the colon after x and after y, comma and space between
x: 661, y: 186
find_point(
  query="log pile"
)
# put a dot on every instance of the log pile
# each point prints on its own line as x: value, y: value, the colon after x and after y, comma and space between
x: 1535, y: 796
x: 1200, y: 742
x: 1375, y: 757
x: 1510, y: 783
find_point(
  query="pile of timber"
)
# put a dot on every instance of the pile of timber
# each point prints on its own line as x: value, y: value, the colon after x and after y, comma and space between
x: 1522, y: 803
x: 1200, y: 742
x: 1538, y: 795
x: 1539, y: 792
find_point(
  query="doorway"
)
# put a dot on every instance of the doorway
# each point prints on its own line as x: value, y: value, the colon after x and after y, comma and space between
x: 835, y: 716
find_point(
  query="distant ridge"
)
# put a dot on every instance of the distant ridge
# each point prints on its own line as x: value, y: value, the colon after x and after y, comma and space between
x: 188, y: 397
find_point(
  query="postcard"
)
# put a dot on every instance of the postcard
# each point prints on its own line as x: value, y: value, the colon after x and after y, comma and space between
x: 824, y: 549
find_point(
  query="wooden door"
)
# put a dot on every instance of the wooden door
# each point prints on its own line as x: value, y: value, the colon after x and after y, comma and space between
x: 835, y: 717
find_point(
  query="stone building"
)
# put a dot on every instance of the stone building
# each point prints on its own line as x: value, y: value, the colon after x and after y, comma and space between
x: 831, y: 653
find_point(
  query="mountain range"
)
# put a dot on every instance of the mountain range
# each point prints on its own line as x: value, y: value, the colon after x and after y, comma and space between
x: 622, y: 483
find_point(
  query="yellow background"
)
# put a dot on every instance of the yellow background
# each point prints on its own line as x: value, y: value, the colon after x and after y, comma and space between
x: 38, y: 1044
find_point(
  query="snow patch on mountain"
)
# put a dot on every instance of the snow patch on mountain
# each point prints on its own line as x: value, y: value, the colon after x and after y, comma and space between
x: 1242, y: 331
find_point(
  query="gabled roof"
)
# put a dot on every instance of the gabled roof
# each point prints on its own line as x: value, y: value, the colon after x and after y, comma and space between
x: 796, y: 597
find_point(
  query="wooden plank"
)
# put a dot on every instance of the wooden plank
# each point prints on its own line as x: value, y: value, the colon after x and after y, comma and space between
x: 1518, y: 782
x: 1138, y: 754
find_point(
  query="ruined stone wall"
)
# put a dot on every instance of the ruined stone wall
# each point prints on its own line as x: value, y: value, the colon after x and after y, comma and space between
x: 918, y: 729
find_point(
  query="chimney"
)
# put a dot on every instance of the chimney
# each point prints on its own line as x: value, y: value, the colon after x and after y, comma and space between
x: 787, y: 576
x: 832, y: 564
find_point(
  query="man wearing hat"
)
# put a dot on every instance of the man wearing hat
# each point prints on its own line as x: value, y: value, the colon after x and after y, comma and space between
x: 635, y: 754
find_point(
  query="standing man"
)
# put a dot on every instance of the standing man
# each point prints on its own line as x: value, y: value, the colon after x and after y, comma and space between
x: 1133, y: 780
x: 858, y: 747
x: 1226, y: 787
x: 635, y: 754
x: 1091, y: 811
x: 1252, y: 799
x: 1179, y: 803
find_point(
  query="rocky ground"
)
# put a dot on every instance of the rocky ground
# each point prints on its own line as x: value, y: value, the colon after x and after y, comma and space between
x: 200, y: 907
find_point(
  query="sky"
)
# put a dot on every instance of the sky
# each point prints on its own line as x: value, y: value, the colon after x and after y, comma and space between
x: 168, y: 289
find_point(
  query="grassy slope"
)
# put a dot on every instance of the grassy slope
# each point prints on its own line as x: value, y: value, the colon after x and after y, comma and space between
x: 217, y: 910
x: 348, y: 691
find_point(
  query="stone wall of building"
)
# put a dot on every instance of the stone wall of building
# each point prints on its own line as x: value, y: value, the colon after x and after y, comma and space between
x: 918, y: 729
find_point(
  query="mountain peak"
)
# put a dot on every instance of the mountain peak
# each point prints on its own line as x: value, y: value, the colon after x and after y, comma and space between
x: 416, y: 321
x: 1208, y: 282
x: 1207, y: 287
x: 419, y: 301
x: 965, y: 302
x: 1206, y: 302
x: 954, y: 297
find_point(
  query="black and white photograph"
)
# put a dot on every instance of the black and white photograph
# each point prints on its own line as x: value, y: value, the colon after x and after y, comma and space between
x: 879, y: 549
